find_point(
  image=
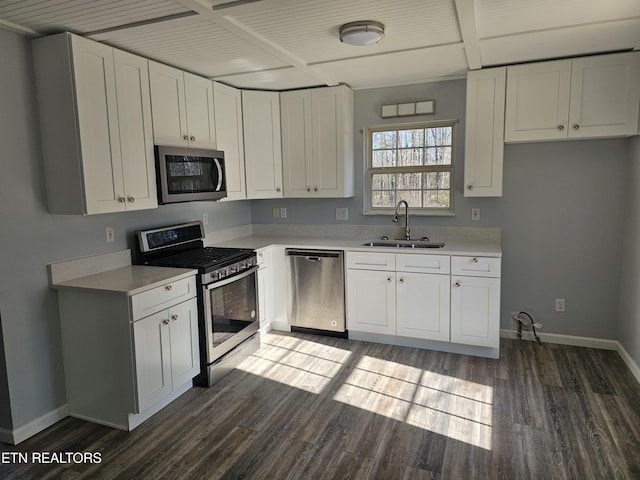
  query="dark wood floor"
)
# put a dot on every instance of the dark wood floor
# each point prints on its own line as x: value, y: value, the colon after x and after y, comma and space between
x: 307, y: 407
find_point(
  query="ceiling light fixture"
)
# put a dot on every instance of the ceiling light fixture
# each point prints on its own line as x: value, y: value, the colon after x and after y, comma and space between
x: 364, y: 32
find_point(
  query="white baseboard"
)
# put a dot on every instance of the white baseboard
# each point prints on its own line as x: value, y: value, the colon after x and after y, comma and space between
x: 18, y: 435
x: 574, y: 341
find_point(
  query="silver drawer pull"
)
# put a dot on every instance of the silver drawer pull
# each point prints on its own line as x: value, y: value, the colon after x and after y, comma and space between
x: 168, y: 288
x: 402, y: 280
x: 165, y: 321
x: 474, y: 260
x: 458, y: 284
x: 174, y: 317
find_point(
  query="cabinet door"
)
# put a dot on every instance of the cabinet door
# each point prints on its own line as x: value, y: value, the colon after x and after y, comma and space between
x: 423, y: 306
x: 152, y: 359
x: 475, y: 311
x: 262, y: 144
x: 201, y: 128
x: 136, y: 136
x: 537, y: 101
x: 96, y: 98
x: 484, y: 130
x: 371, y: 301
x: 605, y: 96
x: 168, y: 102
x: 328, y: 142
x: 185, y: 350
x: 297, y: 143
x: 227, y: 105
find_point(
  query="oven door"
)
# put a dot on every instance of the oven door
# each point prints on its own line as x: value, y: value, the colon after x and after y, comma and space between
x: 231, y: 313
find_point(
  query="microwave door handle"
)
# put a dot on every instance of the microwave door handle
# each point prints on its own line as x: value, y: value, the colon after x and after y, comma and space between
x: 216, y: 175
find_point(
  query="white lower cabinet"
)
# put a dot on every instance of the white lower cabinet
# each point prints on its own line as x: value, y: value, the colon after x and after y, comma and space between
x: 388, y: 294
x: 424, y: 297
x: 128, y: 356
x: 371, y: 301
x: 166, y: 352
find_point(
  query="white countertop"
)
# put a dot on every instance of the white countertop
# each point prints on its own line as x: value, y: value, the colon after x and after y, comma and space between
x: 456, y: 247
x: 129, y: 280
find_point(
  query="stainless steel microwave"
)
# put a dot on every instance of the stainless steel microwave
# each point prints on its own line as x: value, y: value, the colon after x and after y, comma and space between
x: 189, y: 174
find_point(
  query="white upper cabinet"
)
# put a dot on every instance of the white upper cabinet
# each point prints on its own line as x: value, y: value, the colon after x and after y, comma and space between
x: 262, y: 143
x: 581, y: 98
x: 317, y: 142
x: 183, y: 111
x: 227, y: 102
x: 95, y: 116
x: 605, y: 96
x: 484, y: 144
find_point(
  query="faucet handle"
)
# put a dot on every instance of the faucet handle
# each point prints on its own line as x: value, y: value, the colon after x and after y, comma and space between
x: 426, y: 239
x: 384, y: 237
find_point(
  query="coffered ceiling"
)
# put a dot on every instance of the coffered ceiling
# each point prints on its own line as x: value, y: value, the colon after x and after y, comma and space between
x: 283, y: 44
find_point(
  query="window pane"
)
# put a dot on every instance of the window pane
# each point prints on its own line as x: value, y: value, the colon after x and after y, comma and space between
x: 412, y: 197
x: 410, y: 157
x: 438, y: 156
x: 383, y: 158
x: 384, y: 140
x: 437, y: 198
x: 383, y: 198
x: 409, y: 181
x: 386, y: 181
x: 411, y: 138
x: 438, y: 136
x: 437, y: 180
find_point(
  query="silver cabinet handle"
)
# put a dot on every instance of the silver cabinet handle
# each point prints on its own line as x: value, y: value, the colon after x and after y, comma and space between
x: 401, y: 280
x: 576, y: 126
x: 308, y: 189
x: 174, y: 317
x: 315, y: 189
x: 185, y: 137
x: 192, y: 138
x: 278, y: 189
x: 165, y: 321
x: 474, y: 260
x: 131, y: 199
x: 469, y: 187
x: 168, y: 288
x: 458, y: 284
x: 388, y: 279
x: 121, y: 199
x: 561, y: 127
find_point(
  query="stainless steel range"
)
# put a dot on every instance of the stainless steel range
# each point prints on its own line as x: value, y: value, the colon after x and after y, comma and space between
x: 227, y: 300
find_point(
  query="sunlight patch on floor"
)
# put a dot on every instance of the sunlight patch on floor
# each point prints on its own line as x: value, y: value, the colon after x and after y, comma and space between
x: 298, y: 363
x: 445, y: 405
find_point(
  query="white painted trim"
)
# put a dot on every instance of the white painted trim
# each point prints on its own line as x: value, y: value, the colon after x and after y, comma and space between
x: 18, y: 435
x: 588, y: 342
x: 559, y: 339
x: 629, y: 361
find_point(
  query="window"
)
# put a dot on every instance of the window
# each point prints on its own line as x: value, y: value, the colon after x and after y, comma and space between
x: 412, y: 163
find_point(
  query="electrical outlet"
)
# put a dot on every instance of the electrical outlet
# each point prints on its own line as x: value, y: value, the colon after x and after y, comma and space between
x: 283, y: 213
x: 111, y: 237
x: 205, y: 218
x: 342, y: 214
x: 560, y: 305
x: 475, y: 214
x: 276, y: 213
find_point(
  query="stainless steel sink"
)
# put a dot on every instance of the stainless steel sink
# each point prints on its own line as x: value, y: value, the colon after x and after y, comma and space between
x: 403, y: 244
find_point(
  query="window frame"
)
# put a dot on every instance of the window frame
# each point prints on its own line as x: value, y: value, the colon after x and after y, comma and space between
x: 370, y: 170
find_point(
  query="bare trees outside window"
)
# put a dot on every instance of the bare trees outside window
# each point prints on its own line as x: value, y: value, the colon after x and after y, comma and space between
x: 412, y: 163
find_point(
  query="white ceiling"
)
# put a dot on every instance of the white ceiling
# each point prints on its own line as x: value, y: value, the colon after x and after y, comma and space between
x: 283, y: 44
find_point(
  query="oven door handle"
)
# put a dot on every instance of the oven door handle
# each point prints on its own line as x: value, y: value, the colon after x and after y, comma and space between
x: 228, y: 280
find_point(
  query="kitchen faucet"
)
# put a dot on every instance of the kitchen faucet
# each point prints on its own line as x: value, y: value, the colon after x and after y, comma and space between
x: 407, y: 231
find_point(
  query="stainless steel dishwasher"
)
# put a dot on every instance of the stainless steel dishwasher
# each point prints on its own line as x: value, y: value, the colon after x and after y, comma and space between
x: 317, y: 291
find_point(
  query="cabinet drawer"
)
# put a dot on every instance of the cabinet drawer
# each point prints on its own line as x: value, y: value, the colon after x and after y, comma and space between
x: 159, y: 298
x: 476, y: 266
x: 421, y: 263
x: 371, y: 260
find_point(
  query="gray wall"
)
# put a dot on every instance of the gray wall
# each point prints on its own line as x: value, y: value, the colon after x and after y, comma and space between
x: 629, y: 333
x: 561, y: 214
x: 30, y: 239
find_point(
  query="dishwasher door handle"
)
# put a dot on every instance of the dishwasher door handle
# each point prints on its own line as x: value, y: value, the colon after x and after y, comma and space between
x: 312, y: 259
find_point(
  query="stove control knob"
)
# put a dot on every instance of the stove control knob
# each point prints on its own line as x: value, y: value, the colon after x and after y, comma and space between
x: 234, y: 268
